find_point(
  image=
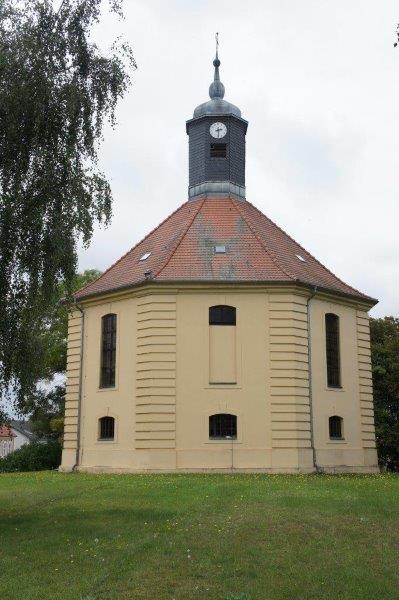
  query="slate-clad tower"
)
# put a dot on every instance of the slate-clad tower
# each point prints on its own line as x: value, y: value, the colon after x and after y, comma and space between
x: 218, y: 342
x: 216, y: 145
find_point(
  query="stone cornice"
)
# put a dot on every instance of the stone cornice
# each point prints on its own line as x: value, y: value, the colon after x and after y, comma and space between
x: 177, y: 287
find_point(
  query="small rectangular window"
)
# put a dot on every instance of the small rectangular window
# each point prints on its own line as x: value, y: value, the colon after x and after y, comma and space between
x: 222, y: 315
x: 218, y: 150
x: 107, y: 428
x: 222, y: 426
x: 335, y: 427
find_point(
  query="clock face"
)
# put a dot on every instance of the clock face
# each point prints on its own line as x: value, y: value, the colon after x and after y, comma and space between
x: 218, y: 130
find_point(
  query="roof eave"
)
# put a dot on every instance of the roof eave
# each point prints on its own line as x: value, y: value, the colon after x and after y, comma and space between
x: 368, y: 300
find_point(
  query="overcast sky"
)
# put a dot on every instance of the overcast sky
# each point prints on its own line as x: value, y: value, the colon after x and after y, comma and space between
x: 318, y: 81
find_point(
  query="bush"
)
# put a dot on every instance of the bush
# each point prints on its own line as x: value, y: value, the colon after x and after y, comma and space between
x: 33, y: 457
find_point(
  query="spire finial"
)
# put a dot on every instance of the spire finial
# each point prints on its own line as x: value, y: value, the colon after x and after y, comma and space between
x: 216, y: 89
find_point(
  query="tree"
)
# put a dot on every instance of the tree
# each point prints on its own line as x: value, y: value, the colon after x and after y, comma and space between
x: 45, y: 403
x: 51, y: 339
x: 385, y: 365
x: 57, y: 89
x: 46, y: 410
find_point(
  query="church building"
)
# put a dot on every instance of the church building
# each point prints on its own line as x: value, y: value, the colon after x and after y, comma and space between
x: 217, y: 342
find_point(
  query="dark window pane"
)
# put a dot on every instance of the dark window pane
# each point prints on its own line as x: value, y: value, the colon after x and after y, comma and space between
x: 222, y: 426
x: 222, y: 315
x: 218, y: 150
x: 335, y: 427
x: 332, y: 351
x: 107, y: 428
x: 108, y: 351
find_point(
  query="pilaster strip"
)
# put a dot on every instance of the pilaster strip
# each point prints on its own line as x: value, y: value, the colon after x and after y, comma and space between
x: 72, y: 380
x: 156, y: 372
x: 365, y: 380
x: 289, y: 372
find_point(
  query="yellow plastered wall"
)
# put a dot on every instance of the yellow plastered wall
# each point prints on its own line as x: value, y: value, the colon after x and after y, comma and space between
x: 365, y: 387
x: 156, y: 381
x: 290, y: 409
x: 222, y: 354
x: 118, y: 402
x: 170, y: 379
x: 351, y: 400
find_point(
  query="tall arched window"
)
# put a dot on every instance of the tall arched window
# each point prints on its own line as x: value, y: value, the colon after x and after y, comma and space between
x: 222, y: 426
x: 108, y: 351
x: 106, y: 428
x: 332, y: 351
x: 335, y: 427
x: 222, y: 315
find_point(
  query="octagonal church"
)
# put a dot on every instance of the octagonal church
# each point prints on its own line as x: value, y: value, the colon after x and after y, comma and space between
x: 217, y: 342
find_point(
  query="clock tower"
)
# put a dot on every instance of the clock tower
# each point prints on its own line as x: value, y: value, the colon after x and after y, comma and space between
x: 216, y: 145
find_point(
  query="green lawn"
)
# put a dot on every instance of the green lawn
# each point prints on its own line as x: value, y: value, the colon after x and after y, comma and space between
x: 227, y: 537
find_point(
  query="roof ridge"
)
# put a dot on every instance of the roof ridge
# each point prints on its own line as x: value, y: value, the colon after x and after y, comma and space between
x: 267, y: 250
x: 179, y: 241
x: 130, y: 250
x: 307, y: 251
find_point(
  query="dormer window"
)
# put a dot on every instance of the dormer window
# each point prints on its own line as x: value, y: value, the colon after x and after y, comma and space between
x: 218, y: 150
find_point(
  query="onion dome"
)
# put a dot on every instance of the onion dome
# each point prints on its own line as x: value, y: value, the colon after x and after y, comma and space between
x: 216, y: 105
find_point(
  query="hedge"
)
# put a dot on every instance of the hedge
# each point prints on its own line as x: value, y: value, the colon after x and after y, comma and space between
x: 33, y: 457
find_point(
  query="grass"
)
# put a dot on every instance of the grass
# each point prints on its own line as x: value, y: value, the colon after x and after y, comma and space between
x: 224, y: 537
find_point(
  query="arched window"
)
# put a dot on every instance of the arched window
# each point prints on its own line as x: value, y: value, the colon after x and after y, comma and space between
x: 108, y: 351
x: 222, y: 426
x: 332, y: 351
x: 222, y: 315
x: 106, y: 428
x: 335, y: 427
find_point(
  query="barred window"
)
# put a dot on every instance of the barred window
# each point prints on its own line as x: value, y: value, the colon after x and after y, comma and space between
x: 335, y: 427
x: 222, y: 315
x: 222, y: 426
x: 332, y: 351
x: 108, y: 351
x: 218, y: 150
x: 107, y: 428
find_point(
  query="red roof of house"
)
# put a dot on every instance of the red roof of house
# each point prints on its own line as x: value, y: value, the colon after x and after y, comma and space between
x: 5, y: 431
x: 182, y: 248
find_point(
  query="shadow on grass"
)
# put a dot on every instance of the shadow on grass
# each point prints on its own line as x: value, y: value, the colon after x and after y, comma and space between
x: 83, y: 522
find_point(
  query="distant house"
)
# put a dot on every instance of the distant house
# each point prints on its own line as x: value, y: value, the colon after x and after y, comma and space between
x: 22, y: 431
x: 7, y: 440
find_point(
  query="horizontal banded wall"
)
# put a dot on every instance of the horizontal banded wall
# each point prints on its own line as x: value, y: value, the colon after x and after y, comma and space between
x: 290, y: 411
x: 156, y: 372
x: 72, y: 384
x: 365, y: 380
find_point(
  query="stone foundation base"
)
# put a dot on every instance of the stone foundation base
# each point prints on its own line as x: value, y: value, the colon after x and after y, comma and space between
x: 281, y: 471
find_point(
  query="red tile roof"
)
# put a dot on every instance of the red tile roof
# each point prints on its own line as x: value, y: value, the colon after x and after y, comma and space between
x: 182, y: 249
x: 6, y: 431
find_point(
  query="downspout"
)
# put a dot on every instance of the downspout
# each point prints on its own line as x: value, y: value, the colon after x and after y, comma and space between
x: 315, y: 465
x: 80, y: 386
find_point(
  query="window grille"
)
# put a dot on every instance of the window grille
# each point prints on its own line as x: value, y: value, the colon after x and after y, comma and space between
x: 108, y: 351
x: 222, y: 426
x: 335, y: 427
x: 332, y: 351
x: 218, y: 150
x: 222, y: 315
x: 107, y: 428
